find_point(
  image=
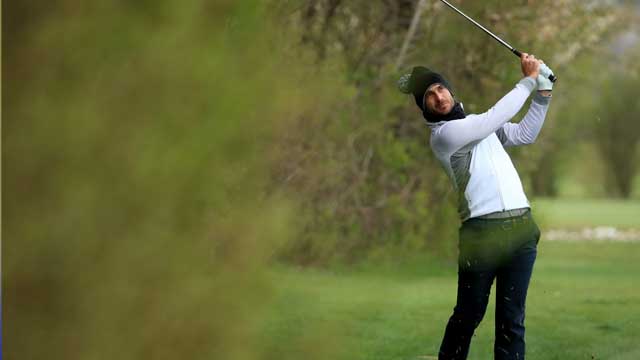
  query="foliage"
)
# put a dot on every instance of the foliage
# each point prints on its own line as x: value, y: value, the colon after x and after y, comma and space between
x: 360, y: 165
x: 617, y: 130
x: 135, y: 152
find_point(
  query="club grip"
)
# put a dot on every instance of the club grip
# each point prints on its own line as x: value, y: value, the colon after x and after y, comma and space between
x: 517, y: 52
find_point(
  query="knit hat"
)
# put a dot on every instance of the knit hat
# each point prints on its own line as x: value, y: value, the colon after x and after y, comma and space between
x: 417, y: 83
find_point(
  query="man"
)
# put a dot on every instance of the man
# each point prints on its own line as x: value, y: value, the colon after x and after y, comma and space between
x: 498, y: 237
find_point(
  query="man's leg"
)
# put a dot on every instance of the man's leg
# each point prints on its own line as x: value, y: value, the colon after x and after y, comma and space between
x: 512, y: 282
x: 476, y: 271
x: 473, y: 295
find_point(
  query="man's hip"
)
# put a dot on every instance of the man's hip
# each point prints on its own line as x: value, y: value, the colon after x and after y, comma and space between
x: 488, y: 242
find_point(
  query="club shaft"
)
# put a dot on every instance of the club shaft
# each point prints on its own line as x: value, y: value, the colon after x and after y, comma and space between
x: 513, y: 50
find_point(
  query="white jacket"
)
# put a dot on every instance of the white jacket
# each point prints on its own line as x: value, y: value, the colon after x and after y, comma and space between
x: 471, y: 150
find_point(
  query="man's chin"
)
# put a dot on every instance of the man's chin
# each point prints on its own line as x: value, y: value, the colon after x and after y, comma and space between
x: 444, y: 111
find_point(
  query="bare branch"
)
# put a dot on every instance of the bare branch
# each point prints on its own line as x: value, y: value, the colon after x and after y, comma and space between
x: 412, y: 30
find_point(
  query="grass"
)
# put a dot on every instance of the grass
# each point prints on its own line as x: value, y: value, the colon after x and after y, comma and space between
x: 577, y: 213
x: 583, y: 304
x: 583, y: 300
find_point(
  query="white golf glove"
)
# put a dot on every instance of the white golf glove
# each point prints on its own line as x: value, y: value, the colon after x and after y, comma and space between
x: 543, y: 79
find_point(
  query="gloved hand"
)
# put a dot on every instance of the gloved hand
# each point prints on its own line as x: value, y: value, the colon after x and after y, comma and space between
x: 543, y: 79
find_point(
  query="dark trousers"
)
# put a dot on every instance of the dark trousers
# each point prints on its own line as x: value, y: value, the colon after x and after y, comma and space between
x: 504, y: 249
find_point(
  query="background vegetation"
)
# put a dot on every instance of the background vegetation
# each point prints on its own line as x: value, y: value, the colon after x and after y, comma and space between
x: 371, y: 188
x: 236, y: 179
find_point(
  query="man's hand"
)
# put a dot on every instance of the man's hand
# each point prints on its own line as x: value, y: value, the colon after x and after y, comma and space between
x: 530, y: 66
x: 544, y: 84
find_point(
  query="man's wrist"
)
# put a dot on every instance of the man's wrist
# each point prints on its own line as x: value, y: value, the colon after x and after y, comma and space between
x: 542, y: 99
x: 529, y: 83
x: 545, y: 93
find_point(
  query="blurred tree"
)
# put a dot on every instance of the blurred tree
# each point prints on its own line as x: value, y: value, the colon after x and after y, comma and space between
x: 360, y: 186
x: 570, y: 34
x: 135, y: 149
x: 617, y: 129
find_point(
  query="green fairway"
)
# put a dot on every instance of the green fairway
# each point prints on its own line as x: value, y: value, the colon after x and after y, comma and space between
x: 583, y: 304
x: 575, y: 213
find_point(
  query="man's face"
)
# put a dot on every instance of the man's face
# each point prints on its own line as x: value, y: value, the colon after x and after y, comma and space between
x: 438, y: 99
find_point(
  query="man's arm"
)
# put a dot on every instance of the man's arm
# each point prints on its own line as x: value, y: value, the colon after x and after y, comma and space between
x: 526, y: 132
x: 458, y: 133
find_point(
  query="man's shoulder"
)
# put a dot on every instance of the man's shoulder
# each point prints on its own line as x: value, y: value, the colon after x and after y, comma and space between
x: 443, y: 130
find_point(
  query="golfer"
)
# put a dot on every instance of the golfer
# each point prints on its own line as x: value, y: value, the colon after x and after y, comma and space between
x: 498, y: 237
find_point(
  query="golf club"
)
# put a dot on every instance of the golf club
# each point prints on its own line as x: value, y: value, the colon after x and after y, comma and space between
x: 544, y: 70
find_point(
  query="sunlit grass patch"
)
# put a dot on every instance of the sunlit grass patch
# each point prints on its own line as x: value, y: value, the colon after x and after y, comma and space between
x: 552, y: 213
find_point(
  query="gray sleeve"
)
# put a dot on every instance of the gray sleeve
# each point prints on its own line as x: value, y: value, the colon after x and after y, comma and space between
x: 456, y: 134
x: 527, y: 130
